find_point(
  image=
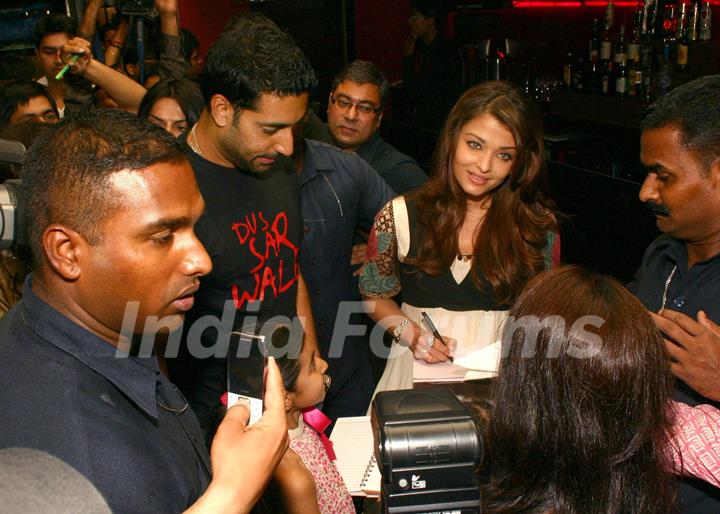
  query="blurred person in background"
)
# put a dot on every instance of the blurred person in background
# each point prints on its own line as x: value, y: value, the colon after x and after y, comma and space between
x: 173, y: 104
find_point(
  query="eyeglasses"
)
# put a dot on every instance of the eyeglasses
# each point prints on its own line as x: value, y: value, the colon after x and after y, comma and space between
x: 365, y: 109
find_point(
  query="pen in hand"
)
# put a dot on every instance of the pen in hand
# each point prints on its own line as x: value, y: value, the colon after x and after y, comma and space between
x: 61, y: 73
x: 430, y: 325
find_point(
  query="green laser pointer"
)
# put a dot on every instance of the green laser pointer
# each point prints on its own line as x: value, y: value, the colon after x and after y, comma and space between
x: 62, y: 72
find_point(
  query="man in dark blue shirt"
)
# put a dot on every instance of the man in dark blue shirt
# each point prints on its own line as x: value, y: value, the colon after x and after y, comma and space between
x: 679, y: 277
x: 112, y: 205
x: 339, y: 193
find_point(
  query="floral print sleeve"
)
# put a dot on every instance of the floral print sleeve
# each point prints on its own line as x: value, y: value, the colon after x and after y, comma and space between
x: 380, y: 277
x: 552, y: 251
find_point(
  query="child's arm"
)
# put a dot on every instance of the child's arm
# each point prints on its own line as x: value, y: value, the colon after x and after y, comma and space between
x: 296, y: 485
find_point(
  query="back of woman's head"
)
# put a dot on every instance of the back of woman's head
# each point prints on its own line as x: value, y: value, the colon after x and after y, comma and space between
x: 580, y: 418
x: 185, y: 92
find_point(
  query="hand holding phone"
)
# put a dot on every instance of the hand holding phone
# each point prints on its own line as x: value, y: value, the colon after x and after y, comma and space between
x: 246, y: 372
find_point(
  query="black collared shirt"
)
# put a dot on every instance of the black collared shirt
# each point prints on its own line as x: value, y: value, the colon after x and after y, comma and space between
x: 400, y: 171
x: 686, y: 290
x: 67, y: 392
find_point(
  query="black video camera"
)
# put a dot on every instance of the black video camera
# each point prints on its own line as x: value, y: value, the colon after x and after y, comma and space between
x: 12, y: 205
x: 132, y: 7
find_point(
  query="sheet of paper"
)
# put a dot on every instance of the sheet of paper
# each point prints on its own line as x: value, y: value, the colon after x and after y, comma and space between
x: 482, y: 363
x: 484, y: 359
x: 353, y: 443
x: 439, y: 372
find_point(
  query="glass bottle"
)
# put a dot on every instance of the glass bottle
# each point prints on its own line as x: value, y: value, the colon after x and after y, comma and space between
x: 705, y: 25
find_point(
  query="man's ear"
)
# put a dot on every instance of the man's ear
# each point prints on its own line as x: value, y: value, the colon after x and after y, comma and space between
x: 714, y: 174
x: 64, y: 249
x: 379, y: 120
x: 222, y: 111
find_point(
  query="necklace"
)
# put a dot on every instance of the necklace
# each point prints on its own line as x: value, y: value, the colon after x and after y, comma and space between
x: 464, y: 257
x: 667, y: 286
x: 194, y: 145
x: 176, y: 411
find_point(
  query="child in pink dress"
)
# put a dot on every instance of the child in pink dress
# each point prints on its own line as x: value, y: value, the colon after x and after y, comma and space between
x: 309, y: 480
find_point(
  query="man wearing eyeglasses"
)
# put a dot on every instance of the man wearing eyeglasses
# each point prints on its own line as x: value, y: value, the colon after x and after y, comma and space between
x: 355, y: 110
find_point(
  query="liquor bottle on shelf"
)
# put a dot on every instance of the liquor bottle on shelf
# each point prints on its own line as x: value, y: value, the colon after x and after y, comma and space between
x: 633, y: 46
x: 621, y: 79
x: 669, y: 24
x: 647, y: 93
x: 705, y: 25
x: 568, y: 70
x: 592, y: 79
x: 594, y: 50
x: 606, y: 78
x: 655, y: 18
x: 664, y: 76
x: 609, y: 18
x: 683, y: 40
x: 577, y: 76
x: 606, y: 44
x: 645, y: 22
x: 693, y: 20
x: 620, y: 48
x: 682, y: 16
x: 635, y: 80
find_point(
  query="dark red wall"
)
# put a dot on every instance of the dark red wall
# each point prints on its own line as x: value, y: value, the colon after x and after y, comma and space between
x: 381, y: 28
x: 206, y: 18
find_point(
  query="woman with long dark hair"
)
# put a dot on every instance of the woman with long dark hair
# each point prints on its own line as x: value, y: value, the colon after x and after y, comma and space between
x: 172, y: 104
x: 581, y: 420
x: 462, y: 246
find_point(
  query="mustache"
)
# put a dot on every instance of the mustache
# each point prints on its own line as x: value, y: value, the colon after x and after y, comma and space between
x: 657, y: 209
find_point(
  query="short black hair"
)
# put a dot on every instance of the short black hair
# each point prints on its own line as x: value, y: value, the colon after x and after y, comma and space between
x: 185, y: 92
x: 364, y: 72
x: 19, y: 93
x: 243, y: 64
x: 435, y: 9
x: 53, y: 24
x: 694, y: 108
x: 249, y: 19
x: 67, y: 169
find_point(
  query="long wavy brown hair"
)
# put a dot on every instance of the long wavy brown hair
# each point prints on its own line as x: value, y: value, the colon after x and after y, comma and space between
x: 509, y: 246
x: 581, y: 419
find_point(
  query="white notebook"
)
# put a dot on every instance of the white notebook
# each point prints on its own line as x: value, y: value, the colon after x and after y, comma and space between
x: 352, y: 440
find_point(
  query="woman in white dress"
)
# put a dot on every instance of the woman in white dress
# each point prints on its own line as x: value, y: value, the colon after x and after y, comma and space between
x: 461, y: 247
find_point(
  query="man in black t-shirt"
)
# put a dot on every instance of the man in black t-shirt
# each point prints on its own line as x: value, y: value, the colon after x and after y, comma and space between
x: 256, y: 85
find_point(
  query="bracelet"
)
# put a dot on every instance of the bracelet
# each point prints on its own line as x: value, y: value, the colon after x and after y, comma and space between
x: 397, y: 332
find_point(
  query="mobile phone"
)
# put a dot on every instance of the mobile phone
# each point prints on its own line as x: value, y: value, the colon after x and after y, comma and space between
x: 247, y: 368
